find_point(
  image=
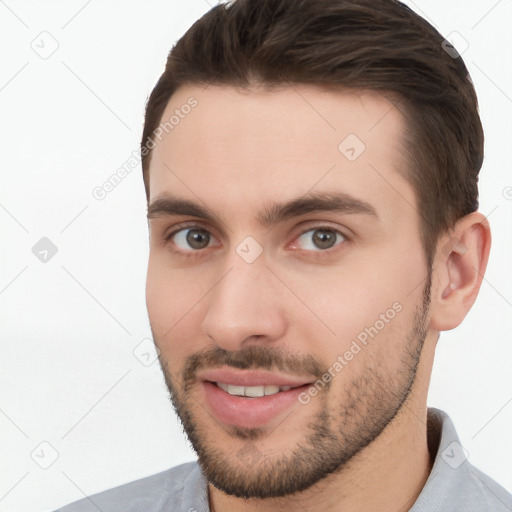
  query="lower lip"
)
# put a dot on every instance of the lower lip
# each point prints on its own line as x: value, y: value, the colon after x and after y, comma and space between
x: 248, y: 412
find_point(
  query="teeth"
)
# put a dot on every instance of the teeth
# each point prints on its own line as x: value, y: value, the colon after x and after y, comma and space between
x: 222, y: 386
x: 236, y: 390
x: 252, y: 391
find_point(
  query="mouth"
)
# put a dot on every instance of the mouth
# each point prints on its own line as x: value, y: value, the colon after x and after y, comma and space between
x: 249, y: 398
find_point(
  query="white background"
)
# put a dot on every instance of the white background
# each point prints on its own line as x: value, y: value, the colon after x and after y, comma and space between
x: 69, y: 377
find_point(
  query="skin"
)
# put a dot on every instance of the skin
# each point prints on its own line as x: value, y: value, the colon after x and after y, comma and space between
x: 236, y: 153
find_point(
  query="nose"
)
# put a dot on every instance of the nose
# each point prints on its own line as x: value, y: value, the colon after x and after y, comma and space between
x: 245, y: 308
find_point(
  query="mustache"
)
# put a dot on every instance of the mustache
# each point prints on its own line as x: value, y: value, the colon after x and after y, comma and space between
x: 255, y: 357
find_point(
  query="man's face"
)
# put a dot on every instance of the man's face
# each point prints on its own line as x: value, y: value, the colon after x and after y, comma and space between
x: 285, y: 260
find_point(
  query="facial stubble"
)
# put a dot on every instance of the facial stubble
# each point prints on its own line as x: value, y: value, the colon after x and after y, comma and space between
x: 331, y: 438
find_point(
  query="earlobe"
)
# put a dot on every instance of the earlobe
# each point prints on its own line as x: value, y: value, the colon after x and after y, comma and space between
x: 458, y: 269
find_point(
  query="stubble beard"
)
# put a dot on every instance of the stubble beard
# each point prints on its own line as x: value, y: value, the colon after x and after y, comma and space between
x: 331, y: 438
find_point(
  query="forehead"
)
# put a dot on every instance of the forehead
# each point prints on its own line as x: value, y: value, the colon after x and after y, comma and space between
x: 240, y: 148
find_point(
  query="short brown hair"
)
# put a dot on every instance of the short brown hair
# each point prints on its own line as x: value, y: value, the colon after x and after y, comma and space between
x: 378, y: 45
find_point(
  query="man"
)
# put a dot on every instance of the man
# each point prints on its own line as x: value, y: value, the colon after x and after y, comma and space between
x: 311, y: 172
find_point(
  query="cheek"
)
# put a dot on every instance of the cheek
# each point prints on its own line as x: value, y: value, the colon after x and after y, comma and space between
x: 370, y: 337
x: 174, y: 303
x: 365, y: 300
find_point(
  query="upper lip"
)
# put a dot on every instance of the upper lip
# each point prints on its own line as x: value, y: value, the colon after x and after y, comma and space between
x: 238, y: 377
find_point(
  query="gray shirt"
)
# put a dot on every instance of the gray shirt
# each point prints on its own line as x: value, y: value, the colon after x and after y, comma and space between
x: 454, y: 485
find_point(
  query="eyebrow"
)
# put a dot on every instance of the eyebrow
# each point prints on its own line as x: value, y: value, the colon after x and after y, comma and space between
x: 337, y: 202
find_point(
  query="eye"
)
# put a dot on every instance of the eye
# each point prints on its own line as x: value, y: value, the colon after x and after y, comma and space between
x: 319, y: 239
x: 191, y: 238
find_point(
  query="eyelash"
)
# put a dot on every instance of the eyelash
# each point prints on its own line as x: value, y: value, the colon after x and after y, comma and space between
x: 201, y: 252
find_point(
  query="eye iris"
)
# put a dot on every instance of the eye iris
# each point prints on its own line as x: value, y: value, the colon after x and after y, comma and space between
x: 324, y: 239
x: 198, y: 238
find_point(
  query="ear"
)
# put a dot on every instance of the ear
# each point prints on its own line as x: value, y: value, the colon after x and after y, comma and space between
x: 458, y: 269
